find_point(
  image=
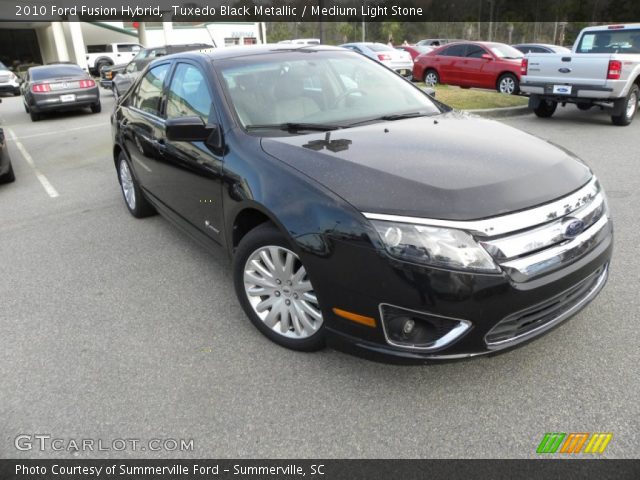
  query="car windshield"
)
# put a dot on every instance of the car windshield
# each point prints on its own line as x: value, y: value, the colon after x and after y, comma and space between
x: 610, y: 41
x: 506, y: 52
x: 318, y: 87
x: 3, y: 66
x: 55, y: 71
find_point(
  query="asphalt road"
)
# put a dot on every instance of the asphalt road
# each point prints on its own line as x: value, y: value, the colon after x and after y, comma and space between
x: 116, y: 328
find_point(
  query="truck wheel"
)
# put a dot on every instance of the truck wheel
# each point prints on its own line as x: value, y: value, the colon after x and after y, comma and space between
x: 546, y: 108
x: 100, y: 64
x: 630, y: 108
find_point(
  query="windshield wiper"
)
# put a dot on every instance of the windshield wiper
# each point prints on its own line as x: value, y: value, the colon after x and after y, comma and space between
x: 295, y: 127
x: 392, y: 117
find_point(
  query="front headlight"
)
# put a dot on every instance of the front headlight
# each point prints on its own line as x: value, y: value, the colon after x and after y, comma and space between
x: 440, y: 247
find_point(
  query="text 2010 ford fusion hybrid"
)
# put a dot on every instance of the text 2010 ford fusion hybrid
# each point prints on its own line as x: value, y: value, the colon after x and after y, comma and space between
x: 357, y: 210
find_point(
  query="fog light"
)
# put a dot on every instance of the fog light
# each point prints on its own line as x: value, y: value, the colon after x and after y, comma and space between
x: 418, y: 330
x: 408, y: 326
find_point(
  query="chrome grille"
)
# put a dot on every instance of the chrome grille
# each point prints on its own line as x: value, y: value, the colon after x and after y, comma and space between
x: 527, y: 253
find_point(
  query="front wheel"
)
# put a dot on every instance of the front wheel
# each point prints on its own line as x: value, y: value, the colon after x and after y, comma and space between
x: 275, y: 291
x: 136, y: 203
x: 431, y: 77
x: 508, y: 83
x: 35, y: 116
x: 630, y: 108
x: 546, y: 108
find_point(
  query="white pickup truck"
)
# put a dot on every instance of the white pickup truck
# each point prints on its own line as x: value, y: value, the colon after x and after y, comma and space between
x: 103, y: 55
x: 602, y: 69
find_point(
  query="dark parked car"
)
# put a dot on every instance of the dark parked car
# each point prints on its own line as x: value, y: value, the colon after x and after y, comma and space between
x: 541, y: 48
x: 358, y: 210
x: 6, y: 169
x: 120, y: 77
x: 472, y: 64
x: 59, y: 87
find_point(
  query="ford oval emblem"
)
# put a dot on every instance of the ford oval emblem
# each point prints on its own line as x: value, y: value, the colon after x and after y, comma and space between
x: 564, y: 70
x: 573, y: 228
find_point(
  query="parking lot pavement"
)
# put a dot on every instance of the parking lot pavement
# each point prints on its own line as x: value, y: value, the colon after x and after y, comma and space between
x: 116, y: 328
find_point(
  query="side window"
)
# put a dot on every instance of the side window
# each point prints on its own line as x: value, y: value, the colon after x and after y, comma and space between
x: 474, y: 51
x: 149, y: 91
x: 454, y: 51
x: 189, y: 94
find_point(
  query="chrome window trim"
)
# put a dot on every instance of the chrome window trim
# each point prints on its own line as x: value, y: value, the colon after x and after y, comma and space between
x: 455, y: 333
x: 512, y: 222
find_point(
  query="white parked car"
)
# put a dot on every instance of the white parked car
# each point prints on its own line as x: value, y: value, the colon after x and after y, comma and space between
x: 398, y: 61
x: 104, y: 55
x: 9, y: 81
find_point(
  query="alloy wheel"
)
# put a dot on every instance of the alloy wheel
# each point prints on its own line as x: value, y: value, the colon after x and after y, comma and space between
x: 280, y: 292
x: 126, y: 181
x: 507, y: 85
x: 632, y: 105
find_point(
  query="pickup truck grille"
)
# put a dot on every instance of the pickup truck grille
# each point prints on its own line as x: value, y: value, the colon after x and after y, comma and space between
x: 575, y: 229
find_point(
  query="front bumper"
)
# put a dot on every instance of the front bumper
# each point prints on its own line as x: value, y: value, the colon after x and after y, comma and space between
x: 10, y: 87
x: 498, y: 310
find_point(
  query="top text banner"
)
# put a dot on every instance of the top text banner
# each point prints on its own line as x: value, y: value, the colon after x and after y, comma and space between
x: 322, y: 10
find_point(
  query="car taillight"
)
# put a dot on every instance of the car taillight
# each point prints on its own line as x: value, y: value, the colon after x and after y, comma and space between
x: 41, y: 88
x: 524, y: 66
x: 87, y: 83
x: 384, y: 56
x: 615, y: 70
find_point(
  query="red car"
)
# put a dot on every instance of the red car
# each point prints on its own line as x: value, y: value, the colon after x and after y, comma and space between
x: 472, y: 64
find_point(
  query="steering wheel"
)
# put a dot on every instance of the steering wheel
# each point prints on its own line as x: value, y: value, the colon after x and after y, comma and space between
x: 343, y: 96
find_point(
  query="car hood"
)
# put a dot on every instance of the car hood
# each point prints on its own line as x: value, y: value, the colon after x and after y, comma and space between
x: 453, y: 166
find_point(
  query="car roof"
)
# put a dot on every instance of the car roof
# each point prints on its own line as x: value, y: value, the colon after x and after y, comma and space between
x: 53, y: 65
x: 249, y: 50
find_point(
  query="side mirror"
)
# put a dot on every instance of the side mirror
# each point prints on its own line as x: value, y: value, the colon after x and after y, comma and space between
x: 193, y: 129
x: 486, y: 56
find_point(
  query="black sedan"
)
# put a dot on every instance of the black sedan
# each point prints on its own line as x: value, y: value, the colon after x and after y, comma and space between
x: 6, y: 169
x: 358, y: 210
x: 59, y: 87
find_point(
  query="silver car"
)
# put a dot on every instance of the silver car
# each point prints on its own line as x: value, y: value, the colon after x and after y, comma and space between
x: 398, y: 61
x: 9, y: 81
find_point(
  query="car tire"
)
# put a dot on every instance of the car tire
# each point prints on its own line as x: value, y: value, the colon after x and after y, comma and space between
x: 35, y: 117
x: 431, y: 77
x: 134, y: 199
x: 546, y: 108
x: 584, y: 106
x: 9, y: 176
x: 96, y: 108
x: 508, y: 83
x: 288, y: 302
x: 629, y: 109
x: 99, y: 66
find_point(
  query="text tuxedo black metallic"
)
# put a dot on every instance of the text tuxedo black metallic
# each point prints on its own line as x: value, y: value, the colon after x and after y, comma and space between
x: 357, y: 209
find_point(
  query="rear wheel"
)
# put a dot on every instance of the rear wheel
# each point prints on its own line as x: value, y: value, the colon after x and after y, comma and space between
x: 137, y: 204
x: 96, y: 107
x: 35, y: 117
x: 508, y: 83
x: 431, y: 77
x: 275, y: 291
x: 9, y: 176
x: 630, y: 108
x: 546, y: 108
